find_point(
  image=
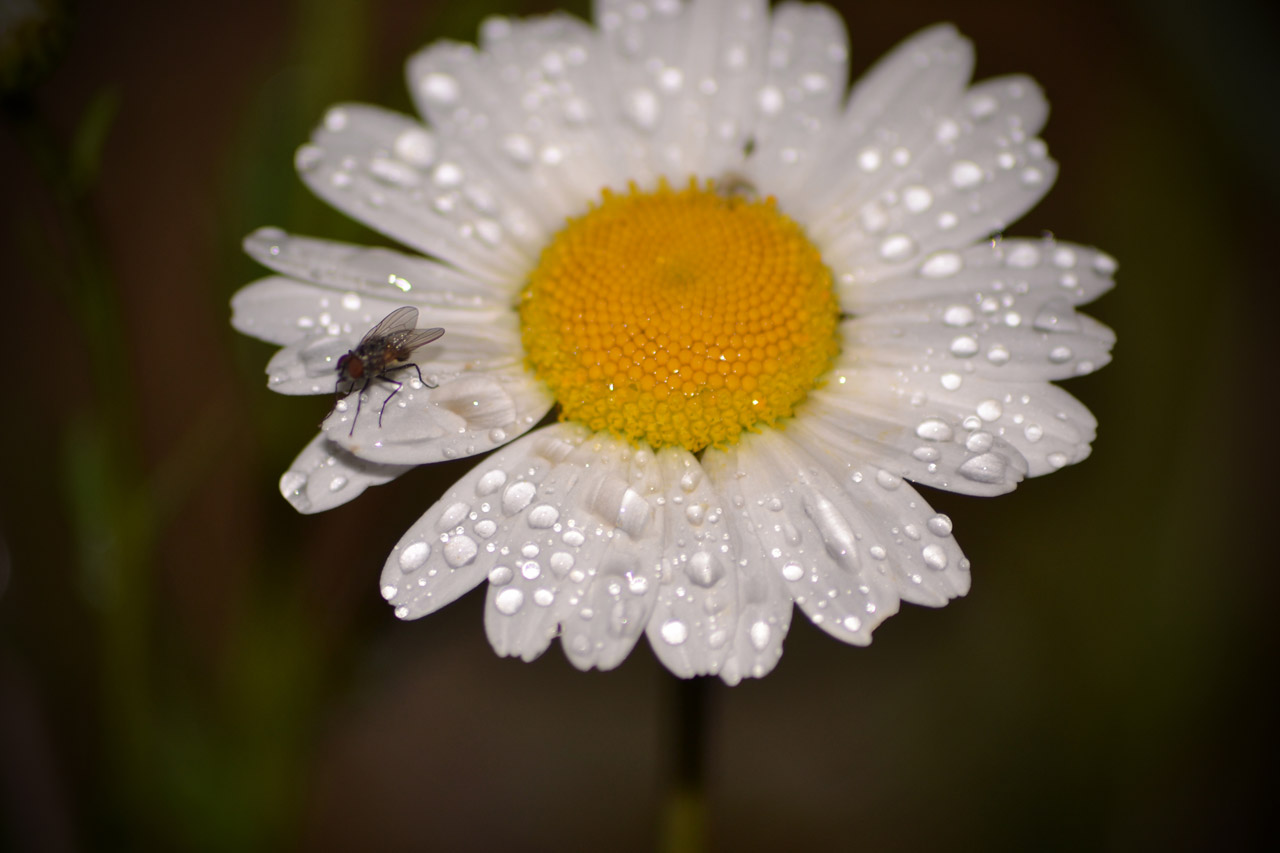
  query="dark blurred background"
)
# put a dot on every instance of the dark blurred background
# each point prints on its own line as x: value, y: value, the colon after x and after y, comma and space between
x: 187, y: 664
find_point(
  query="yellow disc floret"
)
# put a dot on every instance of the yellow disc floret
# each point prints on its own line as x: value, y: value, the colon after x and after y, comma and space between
x: 680, y: 317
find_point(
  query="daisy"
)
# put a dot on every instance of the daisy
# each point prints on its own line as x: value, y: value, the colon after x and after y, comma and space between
x: 760, y: 305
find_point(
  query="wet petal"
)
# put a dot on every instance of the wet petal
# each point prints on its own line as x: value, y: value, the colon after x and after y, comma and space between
x: 325, y: 476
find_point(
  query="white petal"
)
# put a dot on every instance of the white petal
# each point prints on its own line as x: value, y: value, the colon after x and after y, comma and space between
x: 683, y: 80
x: 807, y: 68
x: 763, y: 601
x: 920, y: 165
x: 694, y: 621
x: 439, y: 200
x: 594, y: 542
x: 998, y: 334
x: 473, y: 412
x: 804, y: 530
x: 1045, y: 424
x: 456, y: 543
x: 373, y: 271
x: 1043, y: 270
x: 895, y: 526
x: 325, y: 476
x: 861, y: 419
x: 530, y: 108
x: 475, y: 339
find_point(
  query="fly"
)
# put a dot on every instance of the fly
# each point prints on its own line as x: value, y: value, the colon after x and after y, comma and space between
x: 384, y: 348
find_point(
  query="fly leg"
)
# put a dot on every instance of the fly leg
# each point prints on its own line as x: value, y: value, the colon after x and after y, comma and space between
x: 385, y: 378
x: 359, y: 403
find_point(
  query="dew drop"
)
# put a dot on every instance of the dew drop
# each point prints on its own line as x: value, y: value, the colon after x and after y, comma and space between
x: 500, y: 575
x: 897, y: 247
x: 414, y: 556
x: 964, y: 346
x: 491, y: 482
x: 543, y: 597
x: 918, y: 199
x: 338, y: 483
x: 674, y: 632
x: 950, y: 381
x: 518, y: 496
x: 509, y: 601
x: 416, y: 147
x: 792, y: 571
x: 452, y: 516
x: 935, y: 557
x: 942, y: 265
x: 1057, y: 460
x: 990, y: 410
x: 704, y: 569
x: 987, y: 468
x: 965, y: 174
x: 573, y: 538
x: 1058, y: 355
x: 852, y: 623
x: 389, y: 592
x: 760, y: 635
x: 940, y: 525
x: 543, y: 516
x: 957, y: 315
x: 439, y: 87
x: 1033, y: 432
x: 460, y: 550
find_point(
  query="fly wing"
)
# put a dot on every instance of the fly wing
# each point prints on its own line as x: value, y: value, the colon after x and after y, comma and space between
x: 400, y: 320
x: 406, y: 342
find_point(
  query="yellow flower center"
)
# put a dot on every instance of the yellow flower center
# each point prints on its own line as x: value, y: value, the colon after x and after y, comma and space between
x: 680, y: 317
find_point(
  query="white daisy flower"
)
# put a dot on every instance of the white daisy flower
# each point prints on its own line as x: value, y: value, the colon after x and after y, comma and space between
x: 760, y: 306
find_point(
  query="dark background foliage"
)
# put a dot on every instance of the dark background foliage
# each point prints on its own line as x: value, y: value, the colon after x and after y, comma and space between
x: 185, y: 663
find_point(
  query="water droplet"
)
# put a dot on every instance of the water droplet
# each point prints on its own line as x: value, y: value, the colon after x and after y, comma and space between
x: 573, y: 538
x: 1058, y: 355
x: 918, y: 199
x: 957, y: 315
x: 1033, y: 432
x: 439, y: 87
x: 897, y: 247
x: 447, y: 174
x: 518, y: 496
x: 942, y: 265
x: 964, y: 346
x: 460, y: 550
x: 704, y: 569
x: 416, y: 147
x: 965, y: 174
x: 759, y: 634
x: 543, y: 597
x: 869, y: 159
x: 485, y: 528
x: 389, y: 592
x: 501, y: 575
x: 691, y: 478
x: 770, y: 100
x: 998, y: 354
x: 497, y: 435
x: 335, y: 120
x: 987, y: 468
x: 792, y: 571
x: 935, y: 557
x: 530, y: 569
x: 695, y: 513
x: 1064, y: 258
x: 940, y: 525
x: 490, y: 482
x: 642, y: 107
x: 543, y: 516
x: 509, y: 601
x: 983, y: 106
x: 990, y: 410
x: 888, y: 481
x: 414, y: 556
x: 1057, y: 460
x: 307, y: 157
x: 979, y: 442
x: 452, y: 516
x: 674, y: 632
x: 1023, y: 256
x: 1104, y: 264
x: 947, y: 131
x: 852, y: 623
x: 877, y: 552
x: 950, y: 381
x: 338, y: 483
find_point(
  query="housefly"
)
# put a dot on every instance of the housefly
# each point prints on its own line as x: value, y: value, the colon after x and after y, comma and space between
x: 384, y: 348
